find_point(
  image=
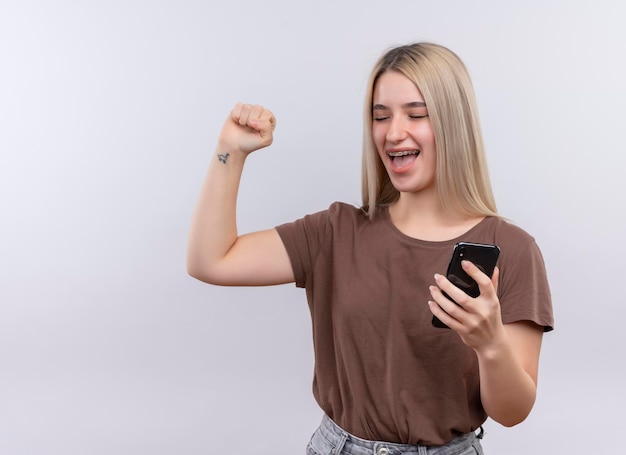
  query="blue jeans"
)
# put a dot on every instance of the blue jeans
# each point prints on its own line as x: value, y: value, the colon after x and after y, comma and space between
x: 330, y: 439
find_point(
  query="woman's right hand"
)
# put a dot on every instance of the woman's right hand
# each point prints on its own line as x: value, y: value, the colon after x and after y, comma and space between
x: 249, y: 127
x: 216, y: 252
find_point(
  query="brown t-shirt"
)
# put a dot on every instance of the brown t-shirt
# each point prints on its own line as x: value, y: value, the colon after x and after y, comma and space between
x: 382, y: 371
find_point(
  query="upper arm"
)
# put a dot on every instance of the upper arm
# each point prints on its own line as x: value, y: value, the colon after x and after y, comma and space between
x: 525, y: 338
x: 255, y: 259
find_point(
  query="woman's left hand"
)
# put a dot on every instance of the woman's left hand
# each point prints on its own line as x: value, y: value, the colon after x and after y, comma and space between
x: 477, y: 320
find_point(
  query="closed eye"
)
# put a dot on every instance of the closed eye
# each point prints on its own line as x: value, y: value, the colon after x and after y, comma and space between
x: 414, y: 117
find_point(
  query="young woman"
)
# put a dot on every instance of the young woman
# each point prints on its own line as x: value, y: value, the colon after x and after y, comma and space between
x: 388, y: 381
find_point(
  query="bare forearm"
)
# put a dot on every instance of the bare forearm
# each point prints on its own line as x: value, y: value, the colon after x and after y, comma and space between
x: 507, y: 390
x: 215, y: 252
x: 214, y: 225
x: 508, y: 354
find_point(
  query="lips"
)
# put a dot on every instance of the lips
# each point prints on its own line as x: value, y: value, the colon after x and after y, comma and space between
x: 401, y: 160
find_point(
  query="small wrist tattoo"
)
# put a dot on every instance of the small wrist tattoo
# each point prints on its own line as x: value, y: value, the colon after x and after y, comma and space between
x: 223, y: 158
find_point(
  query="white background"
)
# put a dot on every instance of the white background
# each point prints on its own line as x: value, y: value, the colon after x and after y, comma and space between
x: 109, y: 112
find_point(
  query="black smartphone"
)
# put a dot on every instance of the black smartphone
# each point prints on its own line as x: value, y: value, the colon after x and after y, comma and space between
x: 484, y: 256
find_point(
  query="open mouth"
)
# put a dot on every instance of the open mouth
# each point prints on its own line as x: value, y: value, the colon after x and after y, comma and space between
x: 403, y: 158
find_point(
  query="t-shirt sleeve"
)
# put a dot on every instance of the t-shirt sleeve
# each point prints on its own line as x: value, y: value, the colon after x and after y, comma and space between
x: 303, y: 240
x: 523, y: 286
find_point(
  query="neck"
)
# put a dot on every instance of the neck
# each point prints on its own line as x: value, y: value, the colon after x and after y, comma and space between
x: 423, y: 217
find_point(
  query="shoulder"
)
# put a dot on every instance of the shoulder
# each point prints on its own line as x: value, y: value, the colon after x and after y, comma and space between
x: 339, y: 211
x: 339, y: 215
x: 523, y: 286
x: 520, y: 256
x: 506, y: 232
x: 518, y: 248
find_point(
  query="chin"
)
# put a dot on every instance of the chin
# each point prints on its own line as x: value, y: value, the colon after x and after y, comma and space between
x: 411, y: 187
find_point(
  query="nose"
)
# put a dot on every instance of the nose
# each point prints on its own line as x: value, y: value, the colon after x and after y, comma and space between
x: 397, y: 130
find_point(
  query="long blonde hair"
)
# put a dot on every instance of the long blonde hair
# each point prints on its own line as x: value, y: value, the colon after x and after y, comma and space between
x: 462, y: 178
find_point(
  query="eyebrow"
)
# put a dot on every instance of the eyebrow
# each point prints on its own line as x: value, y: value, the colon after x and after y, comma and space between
x: 413, y: 104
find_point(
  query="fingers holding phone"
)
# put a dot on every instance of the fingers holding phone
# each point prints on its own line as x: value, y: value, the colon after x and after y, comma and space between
x: 471, y: 273
x: 486, y: 283
x: 466, y: 298
x: 451, y: 305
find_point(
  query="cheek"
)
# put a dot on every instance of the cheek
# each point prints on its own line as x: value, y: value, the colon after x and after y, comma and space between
x: 426, y: 135
x: 378, y: 136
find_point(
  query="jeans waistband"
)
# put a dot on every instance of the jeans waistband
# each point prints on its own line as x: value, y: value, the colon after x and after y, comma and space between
x: 341, y: 440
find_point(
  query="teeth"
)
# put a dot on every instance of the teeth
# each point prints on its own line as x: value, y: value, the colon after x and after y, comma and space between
x: 405, y: 153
